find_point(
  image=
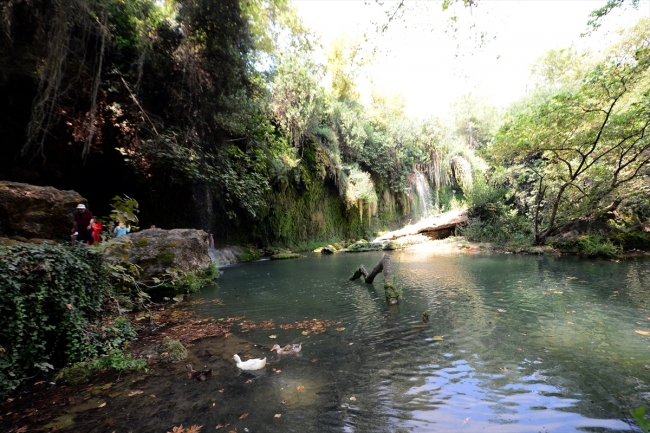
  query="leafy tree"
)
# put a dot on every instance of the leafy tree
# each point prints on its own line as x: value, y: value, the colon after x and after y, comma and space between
x: 344, y: 60
x: 561, y: 67
x: 296, y: 97
x: 591, y: 142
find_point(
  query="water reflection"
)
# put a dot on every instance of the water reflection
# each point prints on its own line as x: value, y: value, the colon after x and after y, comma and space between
x: 528, y: 343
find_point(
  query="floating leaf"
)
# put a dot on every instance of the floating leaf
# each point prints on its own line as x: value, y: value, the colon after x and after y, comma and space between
x: 135, y: 392
x: 570, y: 323
x: 102, y: 405
x: 502, y: 310
x: 437, y: 338
x: 194, y: 429
x: 243, y: 416
x: 637, y: 414
x: 305, y: 332
x: 353, y: 398
x: 273, y: 336
x: 277, y: 415
x: 638, y: 331
x: 340, y: 329
x: 503, y: 369
x: 300, y: 387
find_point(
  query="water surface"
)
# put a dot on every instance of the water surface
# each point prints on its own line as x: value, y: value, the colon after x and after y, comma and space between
x: 523, y: 344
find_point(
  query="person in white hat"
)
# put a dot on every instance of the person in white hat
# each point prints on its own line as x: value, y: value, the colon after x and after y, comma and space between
x: 82, y: 224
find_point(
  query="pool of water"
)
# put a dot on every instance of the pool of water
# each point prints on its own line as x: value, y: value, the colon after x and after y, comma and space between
x: 513, y: 344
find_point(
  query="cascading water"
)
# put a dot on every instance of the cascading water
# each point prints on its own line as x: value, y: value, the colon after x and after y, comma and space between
x: 224, y: 256
x: 420, y: 195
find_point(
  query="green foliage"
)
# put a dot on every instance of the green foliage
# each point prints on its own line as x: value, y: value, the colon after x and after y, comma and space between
x: 589, y: 246
x: 285, y: 256
x: 190, y: 282
x: 511, y: 229
x: 637, y: 414
x: 295, y: 101
x: 486, y: 202
x: 586, y: 144
x: 118, y: 361
x: 51, y: 298
x: 115, y: 360
x: 124, y: 211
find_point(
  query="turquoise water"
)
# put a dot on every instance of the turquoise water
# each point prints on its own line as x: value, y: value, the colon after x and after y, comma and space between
x: 523, y: 344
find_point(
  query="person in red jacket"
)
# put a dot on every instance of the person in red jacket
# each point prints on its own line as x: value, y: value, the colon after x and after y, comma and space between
x: 82, y: 224
x: 96, y: 229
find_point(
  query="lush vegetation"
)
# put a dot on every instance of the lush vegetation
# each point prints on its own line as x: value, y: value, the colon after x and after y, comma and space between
x: 574, y: 150
x: 52, y: 299
x: 63, y: 305
x: 220, y: 119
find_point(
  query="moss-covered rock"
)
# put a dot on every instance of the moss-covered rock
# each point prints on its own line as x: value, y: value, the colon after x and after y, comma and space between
x: 74, y: 375
x: 171, y: 351
x: 285, y: 256
x: 365, y: 246
x: 249, y: 254
x: 157, y: 250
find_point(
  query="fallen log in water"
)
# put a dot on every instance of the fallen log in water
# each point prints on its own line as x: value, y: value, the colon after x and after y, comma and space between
x: 393, y: 294
x: 435, y: 227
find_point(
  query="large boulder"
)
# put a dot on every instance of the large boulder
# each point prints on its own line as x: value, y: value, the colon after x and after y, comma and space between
x: 156, y: 250
x: 42, y: 212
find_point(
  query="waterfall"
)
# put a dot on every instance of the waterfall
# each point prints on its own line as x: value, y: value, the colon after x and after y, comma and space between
x: 420, y: 194
x: 224, y: 256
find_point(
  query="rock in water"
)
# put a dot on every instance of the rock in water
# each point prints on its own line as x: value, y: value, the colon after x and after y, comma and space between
x: 156, y: 250
x: 37, y: 212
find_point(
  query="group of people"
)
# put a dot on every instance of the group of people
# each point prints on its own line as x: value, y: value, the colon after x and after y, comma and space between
x: 87, y: 228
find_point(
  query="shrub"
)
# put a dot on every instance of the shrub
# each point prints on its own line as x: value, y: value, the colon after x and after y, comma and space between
x: 115, y: 360
x: 486, y: 202
x: 589, y: 246
x: 50, y: 300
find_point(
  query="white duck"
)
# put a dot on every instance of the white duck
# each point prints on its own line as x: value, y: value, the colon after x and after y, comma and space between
x: 251, y: 364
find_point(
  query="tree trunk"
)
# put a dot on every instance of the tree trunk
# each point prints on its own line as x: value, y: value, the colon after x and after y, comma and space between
x: 393, y: 294
x: 551, y: 221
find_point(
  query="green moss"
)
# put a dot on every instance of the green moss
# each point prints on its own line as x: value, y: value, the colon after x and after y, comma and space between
x: 191, y: 282
x: 171, y: 351
x: 165, y: 256
x: 365, y: 246
x: 74, y: 375
x: 142, y: 242
x: 249, y: 255
x: 285, y: 256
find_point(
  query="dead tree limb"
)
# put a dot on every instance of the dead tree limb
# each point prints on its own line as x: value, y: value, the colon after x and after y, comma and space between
x: 393, y: 294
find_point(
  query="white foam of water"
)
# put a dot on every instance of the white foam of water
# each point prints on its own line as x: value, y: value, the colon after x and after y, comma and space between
x: 423, y: 192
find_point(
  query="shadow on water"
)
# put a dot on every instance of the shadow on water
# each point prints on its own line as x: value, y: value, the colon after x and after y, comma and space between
x: 513, y: 344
